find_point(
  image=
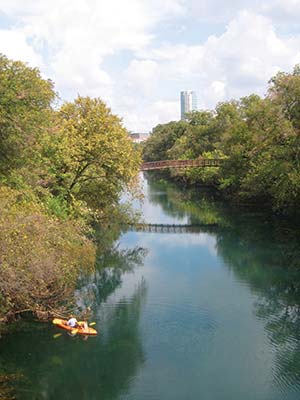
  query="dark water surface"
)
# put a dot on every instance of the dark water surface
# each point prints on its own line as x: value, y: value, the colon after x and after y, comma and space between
x: 209, y: 313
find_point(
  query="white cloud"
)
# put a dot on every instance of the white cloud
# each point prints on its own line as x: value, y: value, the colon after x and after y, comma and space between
x: 236, y: 63
x: 248, y: 54
x: 117, y: 50
x: 219, y: 90
x: 14, y: 45
x: 215, y: 11
x: 143, y: 76
x: 142, y: 118
x: 76, y: 36
x: 282, y: 11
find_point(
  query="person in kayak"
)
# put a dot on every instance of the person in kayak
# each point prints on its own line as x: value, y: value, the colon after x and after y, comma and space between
x: 72, y: 322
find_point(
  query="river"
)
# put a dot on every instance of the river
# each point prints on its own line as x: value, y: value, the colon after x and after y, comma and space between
x: 208, y: 311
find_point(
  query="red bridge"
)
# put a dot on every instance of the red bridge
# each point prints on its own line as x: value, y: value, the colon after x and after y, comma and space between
x: 164, y: 164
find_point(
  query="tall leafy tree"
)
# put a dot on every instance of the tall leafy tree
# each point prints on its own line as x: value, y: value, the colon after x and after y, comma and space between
x: 284, y: 90
x: 94, y: 157
x: 162, y: 139
x: 25, y: 112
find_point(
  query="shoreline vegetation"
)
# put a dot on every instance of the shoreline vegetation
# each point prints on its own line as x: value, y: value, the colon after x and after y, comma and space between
x: 258, y: 139
x: 62, y: 171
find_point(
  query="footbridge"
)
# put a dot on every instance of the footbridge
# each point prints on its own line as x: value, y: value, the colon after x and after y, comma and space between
x: 198, y: 162
x: 173, y: 228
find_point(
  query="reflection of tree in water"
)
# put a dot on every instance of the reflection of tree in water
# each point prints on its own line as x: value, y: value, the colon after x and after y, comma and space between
x: 107, y: 277
x: 101, y: 367
x: 104, y: 369
x: 70, y: 368
x: 267, y: 257
x: 264, y: 253
x: 164, y: 195
x: 199, y: 206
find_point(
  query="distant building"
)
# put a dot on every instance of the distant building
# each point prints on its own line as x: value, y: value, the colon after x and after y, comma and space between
x: 138, y: 137
x: 188, y: 102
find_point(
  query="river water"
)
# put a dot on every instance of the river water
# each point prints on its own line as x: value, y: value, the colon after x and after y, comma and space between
x: 209, y: 311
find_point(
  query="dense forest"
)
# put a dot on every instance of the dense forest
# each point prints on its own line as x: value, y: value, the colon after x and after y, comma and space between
x: 63, y: 166
x: 257, y: 138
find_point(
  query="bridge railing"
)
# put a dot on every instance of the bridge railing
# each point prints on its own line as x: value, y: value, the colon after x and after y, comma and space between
x: 173, y: 228
x: 163, y: 164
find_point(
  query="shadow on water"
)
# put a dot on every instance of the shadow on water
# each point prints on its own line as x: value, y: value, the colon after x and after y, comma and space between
x: 263, y: 252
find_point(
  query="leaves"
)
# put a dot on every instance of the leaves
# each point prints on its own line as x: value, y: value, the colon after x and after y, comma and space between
x: 25, y: 111
x: 59, y: 170
x: 95, y: 159
x: 258, y: 139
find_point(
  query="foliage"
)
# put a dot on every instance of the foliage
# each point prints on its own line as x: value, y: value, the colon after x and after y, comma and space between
x: 162, y: 139
x: 25, y: 112
x: 257, y: 138
x: 59, y: 169
x: 284, y: 90
x: 95, y: 159
x: 40, y: 256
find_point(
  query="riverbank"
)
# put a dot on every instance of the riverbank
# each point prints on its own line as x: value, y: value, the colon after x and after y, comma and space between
x: 61, y: 171
x: 256, y: 138
x: 242, y: 205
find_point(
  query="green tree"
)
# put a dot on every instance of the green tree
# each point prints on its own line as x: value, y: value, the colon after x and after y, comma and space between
x: 273, y: 171
x: 284, y: 90
x: 162, y: 139
x: 94, y: 158
x: 235, y: 142
x: 25, y: 112
x: 198, y: 138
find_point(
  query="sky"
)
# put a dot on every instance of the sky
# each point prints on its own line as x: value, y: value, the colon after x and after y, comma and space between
x: 137, y: 55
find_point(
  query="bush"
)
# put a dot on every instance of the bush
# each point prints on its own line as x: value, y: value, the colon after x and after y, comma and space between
x: 40, y: 255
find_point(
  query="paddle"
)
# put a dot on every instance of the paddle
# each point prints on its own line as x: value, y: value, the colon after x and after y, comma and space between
x: 92, y: 324
x: 57, y: 335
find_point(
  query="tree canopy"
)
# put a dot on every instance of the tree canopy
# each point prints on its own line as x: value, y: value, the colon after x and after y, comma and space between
x: 60, y: 168
x: 95, y: 158
x: 258, y: 139
x: 25, y: 111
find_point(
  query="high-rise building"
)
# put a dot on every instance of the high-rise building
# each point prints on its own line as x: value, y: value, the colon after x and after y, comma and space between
x: 188, y: 102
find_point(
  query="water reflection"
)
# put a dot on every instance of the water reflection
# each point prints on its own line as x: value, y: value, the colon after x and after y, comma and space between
x: 112, y: 263
x: 69, y: 368
x: 209, y: 313
x: 268, y: 260
x: 101, y: 367
x: 264, y: 254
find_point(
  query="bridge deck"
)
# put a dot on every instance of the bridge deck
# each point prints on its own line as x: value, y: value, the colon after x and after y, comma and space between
x: 171, y: 228
x: 164, y: 164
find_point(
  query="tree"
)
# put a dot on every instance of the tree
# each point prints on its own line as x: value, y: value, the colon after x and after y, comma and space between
x: 162, y: 139
x: 284, y: 90
x: 273, y: 171
x: 25, y: 112
x: 94, y: 157
x: 198, y: 138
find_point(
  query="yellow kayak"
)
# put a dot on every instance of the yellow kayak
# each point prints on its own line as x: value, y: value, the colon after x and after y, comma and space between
x: 82, y: 329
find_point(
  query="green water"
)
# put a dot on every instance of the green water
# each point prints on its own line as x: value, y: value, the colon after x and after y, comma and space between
x: 210, y: 313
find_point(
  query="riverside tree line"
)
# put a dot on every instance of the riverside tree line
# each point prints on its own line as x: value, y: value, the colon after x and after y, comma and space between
x: 61, y: 168
x: 258, y: 139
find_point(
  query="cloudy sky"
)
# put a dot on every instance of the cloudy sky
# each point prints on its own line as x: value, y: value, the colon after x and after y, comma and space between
x: 138, y: 55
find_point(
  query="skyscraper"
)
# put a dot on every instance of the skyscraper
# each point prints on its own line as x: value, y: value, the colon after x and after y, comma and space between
x: 188, y: 102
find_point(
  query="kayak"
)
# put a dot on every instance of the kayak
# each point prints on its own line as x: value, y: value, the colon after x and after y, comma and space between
x: 80, y: 330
